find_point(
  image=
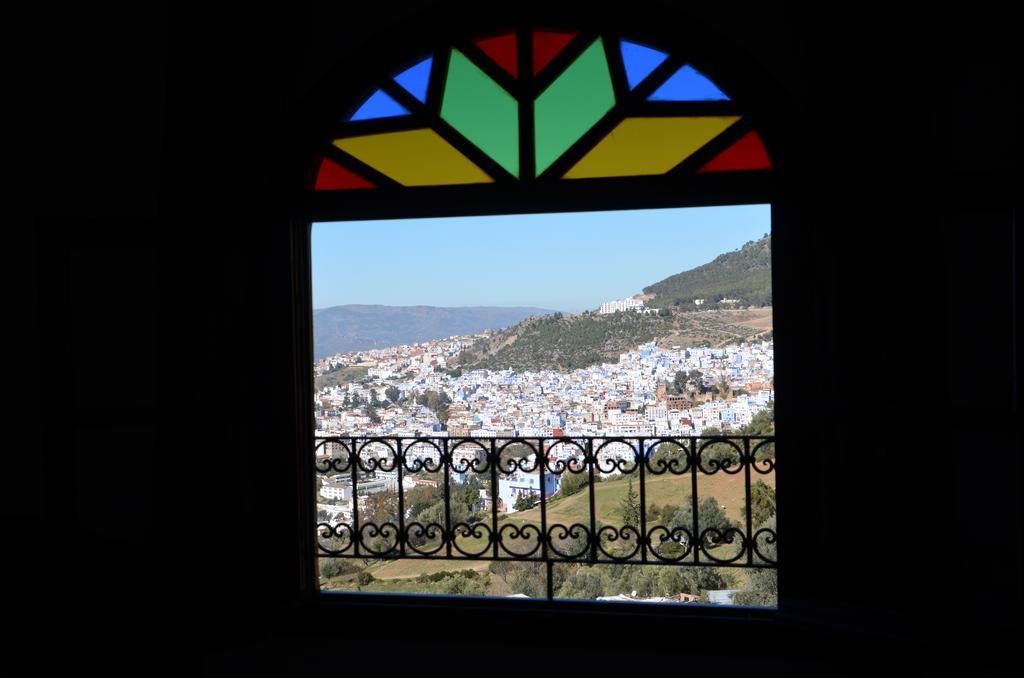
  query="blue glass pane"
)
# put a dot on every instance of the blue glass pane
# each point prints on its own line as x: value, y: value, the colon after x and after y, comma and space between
x: 380, y: 105
x: 688, y: 84
x: 415, y: 79
x: 639, y: 61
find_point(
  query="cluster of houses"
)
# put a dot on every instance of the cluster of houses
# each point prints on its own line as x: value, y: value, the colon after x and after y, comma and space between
x: 633, y: 397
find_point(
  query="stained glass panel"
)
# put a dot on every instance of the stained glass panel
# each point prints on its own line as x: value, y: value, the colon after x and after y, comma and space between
x: 471, y: 133
x: 334, y: 177
x: 502, y: 50
x: 416, y: 79
x: 572, y: 104
x: 546, y: 46
x: 414, y: 158
x: 748, y: 153
x: 482, y: 111
x: 379, y: 105
x: 688, y: 84
x: 641, y: 146
x: 639, y: 61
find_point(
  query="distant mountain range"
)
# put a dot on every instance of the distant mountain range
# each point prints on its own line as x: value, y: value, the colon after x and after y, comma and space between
x: 358, y: 327
x: 528, y: 341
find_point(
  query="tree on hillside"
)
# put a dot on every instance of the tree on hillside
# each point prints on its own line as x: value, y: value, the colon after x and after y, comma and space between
x: 335, y: 567
x: 530, y: 581
x: 504, y: 569
x: 707, y: 579
x: 630, y: 506
x: 523, y: 503
x: 419, y: 499
x: 434, y: 514
x: 374, y: 399
x: 586, y: 583
x: 573, y: 483
x: 661, y: 514
x: 762, y: 502
x: 436, y: 401
x: 763, y: 423
x: 673, y: 581
x: 764, y: 587
x: 710, y: 516
x: 666, y: 454
x: 442, y: 401
x: 381, y: 508
x: 392, y: 393
x: 693, y: 381
x: 722, y: 385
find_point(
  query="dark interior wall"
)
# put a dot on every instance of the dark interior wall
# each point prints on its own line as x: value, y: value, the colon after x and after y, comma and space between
x: 159, y: 305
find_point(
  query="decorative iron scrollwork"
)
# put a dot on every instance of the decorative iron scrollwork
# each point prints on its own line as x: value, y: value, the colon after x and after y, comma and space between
x: 370, y: 463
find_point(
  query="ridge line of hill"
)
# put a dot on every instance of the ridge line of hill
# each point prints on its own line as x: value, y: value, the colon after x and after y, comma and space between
x: 726, y: 300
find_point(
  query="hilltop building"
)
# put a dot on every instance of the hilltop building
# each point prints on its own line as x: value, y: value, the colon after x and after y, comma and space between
x: 630, y: 304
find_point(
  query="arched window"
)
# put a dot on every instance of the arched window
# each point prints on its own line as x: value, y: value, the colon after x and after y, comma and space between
x: 540, y: 106
x: 546, y: 120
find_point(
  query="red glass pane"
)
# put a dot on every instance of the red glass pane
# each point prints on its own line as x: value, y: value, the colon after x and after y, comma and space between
x: 502, y: 49
x: 334, y: 177
x: 546, y: 46
x: 746, y: 154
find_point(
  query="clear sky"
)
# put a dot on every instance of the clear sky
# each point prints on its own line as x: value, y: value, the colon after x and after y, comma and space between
x: 565, y: 262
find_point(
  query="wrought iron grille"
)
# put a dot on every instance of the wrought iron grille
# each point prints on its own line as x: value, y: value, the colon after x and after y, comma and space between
x: 374, y: 465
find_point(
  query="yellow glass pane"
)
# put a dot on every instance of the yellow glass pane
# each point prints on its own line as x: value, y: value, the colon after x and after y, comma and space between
x: 414, y: 158
x: 641, y: 146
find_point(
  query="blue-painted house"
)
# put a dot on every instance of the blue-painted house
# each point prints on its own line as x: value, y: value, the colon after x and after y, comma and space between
x: 511, y: 487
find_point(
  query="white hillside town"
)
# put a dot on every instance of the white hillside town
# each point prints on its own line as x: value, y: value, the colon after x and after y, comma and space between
x: 628, y: 398
x: 625, y: 398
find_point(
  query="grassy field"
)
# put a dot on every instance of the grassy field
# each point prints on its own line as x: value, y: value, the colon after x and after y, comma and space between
x: 665, y: 489
x: 409, y: 567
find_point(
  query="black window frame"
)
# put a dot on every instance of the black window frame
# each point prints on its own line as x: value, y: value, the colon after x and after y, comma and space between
x: 726, y: 68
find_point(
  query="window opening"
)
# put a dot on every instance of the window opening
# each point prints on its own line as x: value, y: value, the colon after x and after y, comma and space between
x: 667, y: 493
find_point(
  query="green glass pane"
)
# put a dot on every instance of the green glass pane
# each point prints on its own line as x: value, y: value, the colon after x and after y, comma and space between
x: 482, y: 112
x: 571, y: 105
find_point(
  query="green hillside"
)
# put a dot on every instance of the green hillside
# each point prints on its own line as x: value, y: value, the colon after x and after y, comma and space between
x: 571, y: 342
x: 339, y: 376
x: 559, y: 342
x: 744, y: 275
